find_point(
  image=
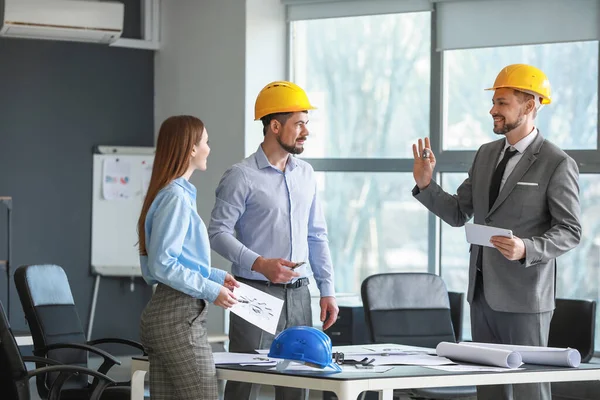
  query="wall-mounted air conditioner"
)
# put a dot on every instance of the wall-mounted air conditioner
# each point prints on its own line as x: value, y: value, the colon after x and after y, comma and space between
x: 70, y: 20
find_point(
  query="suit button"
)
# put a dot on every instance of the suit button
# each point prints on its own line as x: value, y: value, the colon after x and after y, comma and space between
x: 488, y: 220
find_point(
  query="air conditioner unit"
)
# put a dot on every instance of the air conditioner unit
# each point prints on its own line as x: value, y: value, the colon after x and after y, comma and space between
x: 70, y: 20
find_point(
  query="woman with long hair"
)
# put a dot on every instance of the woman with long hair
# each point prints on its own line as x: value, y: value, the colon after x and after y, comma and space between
x: 175, y: 254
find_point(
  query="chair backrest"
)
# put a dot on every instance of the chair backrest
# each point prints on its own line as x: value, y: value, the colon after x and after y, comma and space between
x: 13, y: 373
x: 457, y: 301
x: 407, y: 308
x: 573, y: 325
x: 49, y: 308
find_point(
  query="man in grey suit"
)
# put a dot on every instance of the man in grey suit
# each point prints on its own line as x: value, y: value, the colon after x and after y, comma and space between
x: 524, y: 183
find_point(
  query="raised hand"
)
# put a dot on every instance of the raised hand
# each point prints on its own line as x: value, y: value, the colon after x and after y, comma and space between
x: 424, y: 163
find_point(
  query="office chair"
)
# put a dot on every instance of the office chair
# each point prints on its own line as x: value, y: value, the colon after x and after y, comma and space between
x: 574, y: 325
x: 412, y: 309
x: 457, y: 301
x: 56, y: 330
x: 14, y: 376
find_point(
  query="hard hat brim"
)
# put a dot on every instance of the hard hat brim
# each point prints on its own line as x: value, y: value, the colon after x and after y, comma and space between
x: 544, y: 100
x: 277, y: 110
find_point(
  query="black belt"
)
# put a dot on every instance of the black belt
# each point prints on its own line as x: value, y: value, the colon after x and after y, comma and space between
x: 294, y: 285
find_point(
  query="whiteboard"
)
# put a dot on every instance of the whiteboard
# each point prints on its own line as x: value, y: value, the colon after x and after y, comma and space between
x: 115, y: 215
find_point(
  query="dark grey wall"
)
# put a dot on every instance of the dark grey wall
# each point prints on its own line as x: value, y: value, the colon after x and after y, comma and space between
x: 58, y: 100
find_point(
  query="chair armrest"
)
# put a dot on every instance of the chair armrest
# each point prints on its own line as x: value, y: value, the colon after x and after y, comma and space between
x: 65, y: 372
x: 41, y: 360
x: 127, y: 342
x: 108, y: 363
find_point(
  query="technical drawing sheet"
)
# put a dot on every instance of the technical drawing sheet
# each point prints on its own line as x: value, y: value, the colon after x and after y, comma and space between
x: 257, y: 307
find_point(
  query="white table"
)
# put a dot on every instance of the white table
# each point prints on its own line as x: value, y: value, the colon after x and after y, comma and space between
x: 348, y: 386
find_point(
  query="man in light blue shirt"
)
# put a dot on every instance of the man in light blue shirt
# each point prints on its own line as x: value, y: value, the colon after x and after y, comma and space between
x: 267, y: 220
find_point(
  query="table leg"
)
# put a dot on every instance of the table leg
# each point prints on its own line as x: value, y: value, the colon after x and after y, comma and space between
x: 137, y: 385
x: 386, y: 394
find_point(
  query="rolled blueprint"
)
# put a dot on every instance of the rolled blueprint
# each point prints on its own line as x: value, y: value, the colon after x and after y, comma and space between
x: 539, y: 355
x: 479, y: 355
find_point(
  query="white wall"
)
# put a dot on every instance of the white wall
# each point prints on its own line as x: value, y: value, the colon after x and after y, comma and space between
x: 215, y: 56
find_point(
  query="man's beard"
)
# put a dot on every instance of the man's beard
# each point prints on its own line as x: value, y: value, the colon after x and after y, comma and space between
x: 290, y: 149
x: 509, y: 127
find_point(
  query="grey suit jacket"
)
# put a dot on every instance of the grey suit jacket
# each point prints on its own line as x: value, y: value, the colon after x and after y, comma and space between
x: 545, y: 214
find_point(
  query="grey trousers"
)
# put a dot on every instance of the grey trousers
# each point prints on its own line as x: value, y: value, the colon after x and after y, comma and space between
x: 491, y: 326
x: 173, y: 332
x: 245, y: 337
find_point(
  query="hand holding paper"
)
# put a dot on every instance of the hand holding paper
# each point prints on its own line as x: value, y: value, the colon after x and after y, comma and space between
x: 257, y: 307
x: 481, y: 234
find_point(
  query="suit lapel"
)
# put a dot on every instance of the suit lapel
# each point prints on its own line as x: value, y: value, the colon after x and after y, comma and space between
x: 529, y: 157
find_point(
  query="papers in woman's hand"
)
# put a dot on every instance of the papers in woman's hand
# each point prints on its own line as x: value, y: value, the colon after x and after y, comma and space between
x: 257, y: 307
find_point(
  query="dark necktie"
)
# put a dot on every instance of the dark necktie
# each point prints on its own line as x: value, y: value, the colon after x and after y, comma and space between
x: 497, y: 177
x: 494, y: 191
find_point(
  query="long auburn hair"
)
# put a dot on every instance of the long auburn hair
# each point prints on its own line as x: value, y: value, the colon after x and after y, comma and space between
x: 176, y: 139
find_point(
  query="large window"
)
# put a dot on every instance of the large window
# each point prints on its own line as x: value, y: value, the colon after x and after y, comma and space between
x: 369, y: 77
x: 570, y: 121
x: 374, y: 225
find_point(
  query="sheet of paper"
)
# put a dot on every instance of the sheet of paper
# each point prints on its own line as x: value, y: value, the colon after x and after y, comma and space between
x: 116, y: 179
x: 410, y: 359
x: 559, y: 357
x: 481, y: 234
x: 479, y: 355
x: 257, y: 307
x: 146, y: 176
x: 243, y: 359
x: 297, y: 367
x: 385, y: 348
x: 470, y: 368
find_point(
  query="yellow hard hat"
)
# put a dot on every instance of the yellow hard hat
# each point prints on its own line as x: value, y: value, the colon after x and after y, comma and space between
x: 525, y: 78
x: 279, y: 97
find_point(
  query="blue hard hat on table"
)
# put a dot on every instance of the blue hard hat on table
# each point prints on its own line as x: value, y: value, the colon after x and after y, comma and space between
x: 304, y: 344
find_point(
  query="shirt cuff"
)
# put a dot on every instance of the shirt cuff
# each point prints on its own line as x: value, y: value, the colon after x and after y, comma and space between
x: 247, y: 259
x: 217, y: 275
x: 212, y: 290
x: 327, y: 289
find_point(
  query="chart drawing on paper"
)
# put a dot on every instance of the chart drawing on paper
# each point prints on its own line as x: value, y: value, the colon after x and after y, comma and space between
x: 257, y: 307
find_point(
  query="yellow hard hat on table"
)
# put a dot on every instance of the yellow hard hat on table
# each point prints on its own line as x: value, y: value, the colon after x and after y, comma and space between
x: 280, y: 97
x: 525, y: 78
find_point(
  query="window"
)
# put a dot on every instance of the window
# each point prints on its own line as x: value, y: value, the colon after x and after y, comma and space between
x: 369, y: 76
x: 454, y: 256
x: 374, y: 225
x: 570, y: 122
x: 578, y: 272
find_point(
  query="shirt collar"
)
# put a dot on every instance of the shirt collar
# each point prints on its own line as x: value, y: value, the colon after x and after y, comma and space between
x: 187, y: 186
x: 263, y: 162
x: 524, y: 143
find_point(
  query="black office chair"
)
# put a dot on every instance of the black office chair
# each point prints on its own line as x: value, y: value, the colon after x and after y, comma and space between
x: 457, y: 301
x: 574, y: 325
x: 14, y: 376
x: 57, y: 332
x: 411, y: 309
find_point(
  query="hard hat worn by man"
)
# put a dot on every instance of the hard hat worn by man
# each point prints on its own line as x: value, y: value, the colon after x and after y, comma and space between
x: 268, y: 221
x: 520, y: 182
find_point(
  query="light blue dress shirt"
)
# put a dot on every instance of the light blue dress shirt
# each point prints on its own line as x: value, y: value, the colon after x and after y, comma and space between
x: 177, y: 244
x: 274, y: 214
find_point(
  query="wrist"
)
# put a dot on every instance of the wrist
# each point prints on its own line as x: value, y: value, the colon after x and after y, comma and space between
x: 257, y: 265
